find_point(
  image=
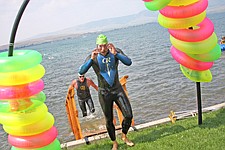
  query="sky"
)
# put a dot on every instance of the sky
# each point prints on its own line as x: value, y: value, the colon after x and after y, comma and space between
x: 44, y: 16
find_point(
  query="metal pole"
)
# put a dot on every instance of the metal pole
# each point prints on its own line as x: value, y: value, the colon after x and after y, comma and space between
x: 15, y: 26
x: 199, y: 103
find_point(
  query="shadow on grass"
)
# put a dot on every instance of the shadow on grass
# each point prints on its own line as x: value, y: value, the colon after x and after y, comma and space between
x: 160, y: 133
x: 215, y: 121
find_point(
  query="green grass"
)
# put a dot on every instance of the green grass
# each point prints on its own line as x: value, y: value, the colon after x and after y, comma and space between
x: 185, y: 134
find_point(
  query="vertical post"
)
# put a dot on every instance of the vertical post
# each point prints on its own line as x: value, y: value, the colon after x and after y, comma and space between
x: 15, y: 26
x: 199, y: 103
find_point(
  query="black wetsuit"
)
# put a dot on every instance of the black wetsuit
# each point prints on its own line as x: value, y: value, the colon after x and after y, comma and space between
x: 110, y: 89
x: 84, y: 95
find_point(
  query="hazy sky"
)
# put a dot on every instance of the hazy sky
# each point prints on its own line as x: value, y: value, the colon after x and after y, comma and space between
x: 43, y: 16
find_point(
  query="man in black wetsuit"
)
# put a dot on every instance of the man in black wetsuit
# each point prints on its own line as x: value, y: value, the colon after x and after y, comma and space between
x: 82, y: 85
x: 104, y: 60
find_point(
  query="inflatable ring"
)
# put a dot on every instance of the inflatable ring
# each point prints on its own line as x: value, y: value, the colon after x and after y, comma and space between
x: 156, y: 4
x: 189, y: 62
x: 184, y: 11
x: 55, y: 145
x: 24, y: 118
x: 21, y: 91
x: 208, y: 57
x: 201, y: 47
x: 196, y: 76
x: 222, y: 47
x: 182, y: 2
x: 203, y: 31
x: 31, y: 129
x: 180, y: 23
x: 35, y: 141
x: 21, y: 60
x: 21, y: 105
x: 22, y: 77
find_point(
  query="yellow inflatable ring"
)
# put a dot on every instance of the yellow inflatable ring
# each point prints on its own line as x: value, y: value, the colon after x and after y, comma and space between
x: 22, y: 77
x: 196, y: 76
x: 182, y: 2
x: 201, y: 47
x: 31, y: 129
x: 21, y: 60
x: 181, y: 23
x: 24, y: 118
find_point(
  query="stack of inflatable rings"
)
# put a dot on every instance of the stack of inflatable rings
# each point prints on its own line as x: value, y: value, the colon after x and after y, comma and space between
x: 194, y: 43
x: 23, y: 113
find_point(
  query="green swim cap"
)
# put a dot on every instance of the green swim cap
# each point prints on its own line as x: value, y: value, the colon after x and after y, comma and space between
x: 101, y: 39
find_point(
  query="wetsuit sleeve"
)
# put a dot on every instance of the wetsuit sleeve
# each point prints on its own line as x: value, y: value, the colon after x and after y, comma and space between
x: 85, y: 67
x: 123, y: 58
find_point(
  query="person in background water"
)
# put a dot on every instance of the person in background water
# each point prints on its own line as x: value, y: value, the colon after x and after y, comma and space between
x: 222, y: 41
x: 104, y: 60
x: 82, y: 85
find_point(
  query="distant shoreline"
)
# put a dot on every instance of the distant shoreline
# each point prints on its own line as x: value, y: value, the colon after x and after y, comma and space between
x: 49, y: 39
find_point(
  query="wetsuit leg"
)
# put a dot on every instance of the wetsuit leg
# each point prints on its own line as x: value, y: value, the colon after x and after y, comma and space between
x: 90, y: 105
x: 106, y: 102
x: 124, y: 105
x: 83, y: 107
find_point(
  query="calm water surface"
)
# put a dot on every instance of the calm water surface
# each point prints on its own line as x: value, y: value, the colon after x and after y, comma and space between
x: 155, y: 84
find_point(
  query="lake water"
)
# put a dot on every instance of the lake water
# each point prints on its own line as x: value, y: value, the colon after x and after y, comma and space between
x: 155, y: 84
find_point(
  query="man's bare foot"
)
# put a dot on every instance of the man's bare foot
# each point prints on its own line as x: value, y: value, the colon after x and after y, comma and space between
x: 126, y: 140
x: 115, y: 145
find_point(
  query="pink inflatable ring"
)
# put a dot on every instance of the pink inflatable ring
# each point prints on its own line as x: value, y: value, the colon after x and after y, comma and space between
x: 203, y: 31
x: 21, y: 91
x: 184, y: 11
x: 35, y: 141
x: 189, y: 62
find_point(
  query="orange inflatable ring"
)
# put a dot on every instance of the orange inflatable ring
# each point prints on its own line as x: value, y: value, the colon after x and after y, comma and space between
x: 22, y: 105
